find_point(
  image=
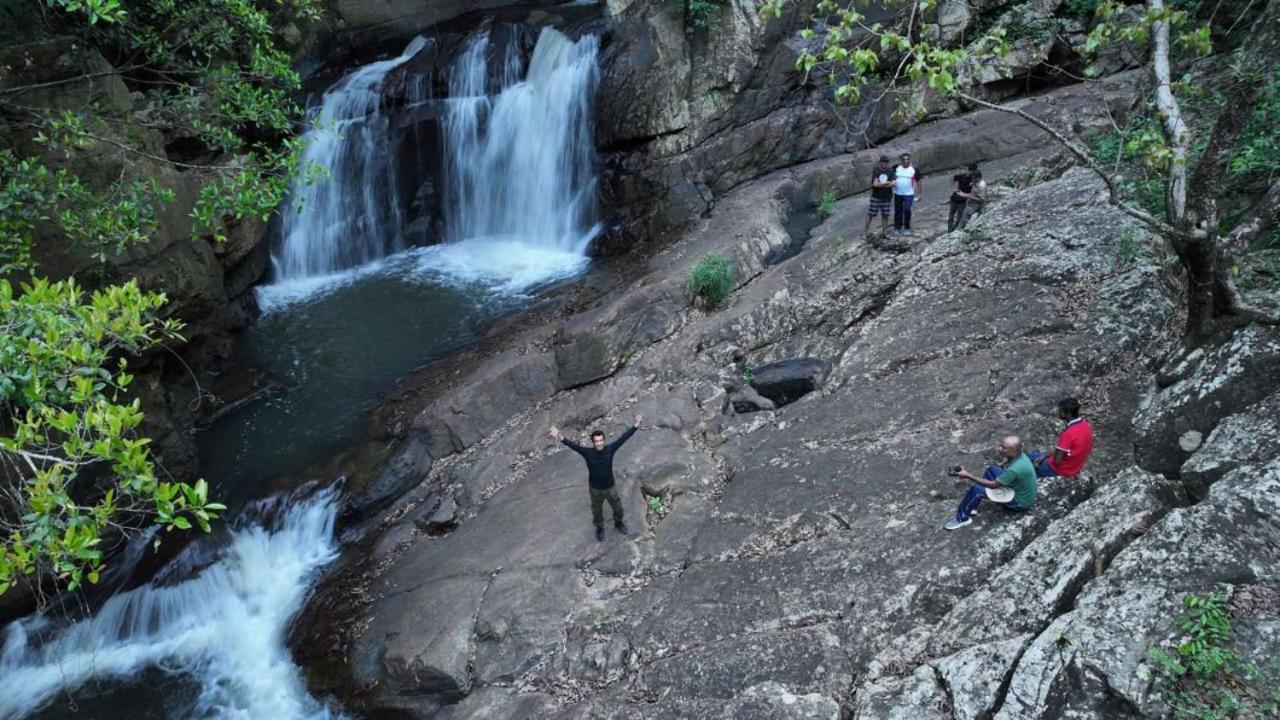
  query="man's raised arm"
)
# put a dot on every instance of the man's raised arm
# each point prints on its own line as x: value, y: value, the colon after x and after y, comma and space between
x: 560, y: 438
x: 626, y: 435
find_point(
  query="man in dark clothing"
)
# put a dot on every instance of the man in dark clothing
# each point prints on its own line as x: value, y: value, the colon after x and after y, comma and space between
x: 599, y: 459
x: 961, y: 193
x: 881, y: 196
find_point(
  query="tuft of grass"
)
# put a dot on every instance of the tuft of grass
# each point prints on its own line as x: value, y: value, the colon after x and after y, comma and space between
x: 825, y: 206
x: 1130, y: 249
x: 711, y: 280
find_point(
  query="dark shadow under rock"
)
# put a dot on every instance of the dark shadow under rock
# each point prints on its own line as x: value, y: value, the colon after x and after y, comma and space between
x: 786, y: 381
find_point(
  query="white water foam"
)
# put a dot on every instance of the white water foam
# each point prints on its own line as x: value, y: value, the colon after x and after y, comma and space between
x: 502, y: 268
x: 224, y: 628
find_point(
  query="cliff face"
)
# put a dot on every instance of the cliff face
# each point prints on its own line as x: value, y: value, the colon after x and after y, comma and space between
x: 792, y: 563
x: 688, y: 111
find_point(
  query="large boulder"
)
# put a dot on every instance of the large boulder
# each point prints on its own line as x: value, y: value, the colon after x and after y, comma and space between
x: 1205, y: 386
x: 1248, y: 437
x: 786, y: 381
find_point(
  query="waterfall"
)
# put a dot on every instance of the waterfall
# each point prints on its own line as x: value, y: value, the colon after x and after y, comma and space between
x: 521, y: 163
x: 224, y: 628
x: 517, y: 176
x: 350, y: 216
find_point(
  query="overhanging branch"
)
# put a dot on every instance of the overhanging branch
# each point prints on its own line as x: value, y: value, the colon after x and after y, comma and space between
x: 1086, y: 158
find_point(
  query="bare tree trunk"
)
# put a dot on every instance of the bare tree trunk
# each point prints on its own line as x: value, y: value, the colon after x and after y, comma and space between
x: 1205, y: 183
x: 1175, y: 128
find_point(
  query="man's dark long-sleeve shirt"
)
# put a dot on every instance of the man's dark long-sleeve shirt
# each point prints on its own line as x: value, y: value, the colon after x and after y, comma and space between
x: 600, y: 462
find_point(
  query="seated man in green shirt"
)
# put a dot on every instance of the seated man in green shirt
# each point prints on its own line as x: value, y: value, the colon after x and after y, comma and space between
x: 1015, y: 472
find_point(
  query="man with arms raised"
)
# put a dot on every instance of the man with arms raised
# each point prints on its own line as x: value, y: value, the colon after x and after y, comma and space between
x: 599, y: 458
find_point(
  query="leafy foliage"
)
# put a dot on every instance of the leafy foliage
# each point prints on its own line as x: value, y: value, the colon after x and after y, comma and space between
x: 62, y: 376
x: 75, y: 471
x: 31, y: 193
x: 1205, y: 678
x: 1259, y: 149
x: 711, y: 280
x: 214, y: 71
x: 704, y: 14
x: 1138, y: 157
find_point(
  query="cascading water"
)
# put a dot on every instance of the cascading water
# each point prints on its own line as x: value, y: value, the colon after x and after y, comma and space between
x: 351, y: 217
x: 518, y: 190
x: 223, y: 628
x: 518, y: 178
x: 521, y: 165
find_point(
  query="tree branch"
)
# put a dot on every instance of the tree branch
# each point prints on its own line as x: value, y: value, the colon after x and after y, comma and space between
x: 54, y: 83
x: 1175, y: 127
x: 1085, y: 157
x: 1261, y: 218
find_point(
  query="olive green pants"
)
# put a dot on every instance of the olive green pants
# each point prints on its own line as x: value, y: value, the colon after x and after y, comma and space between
x: 597, y: 505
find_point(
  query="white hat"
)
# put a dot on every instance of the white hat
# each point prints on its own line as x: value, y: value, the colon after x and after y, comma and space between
x: 1001, y: 495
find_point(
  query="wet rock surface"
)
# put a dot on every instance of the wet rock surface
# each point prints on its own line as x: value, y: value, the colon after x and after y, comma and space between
x: 791, y: 563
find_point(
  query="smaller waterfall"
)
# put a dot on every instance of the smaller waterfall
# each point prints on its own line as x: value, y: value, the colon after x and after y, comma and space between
x: 352, y: 217
x: 224, y: 627
x: 521, y: 164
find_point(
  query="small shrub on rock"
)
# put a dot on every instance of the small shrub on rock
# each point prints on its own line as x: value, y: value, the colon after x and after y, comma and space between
x: 825, y: 206
x: 711, y: 280
x: 1203, y: 677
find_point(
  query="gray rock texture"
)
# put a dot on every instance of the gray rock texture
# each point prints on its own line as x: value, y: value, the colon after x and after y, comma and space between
x: 1206, y: 384
x: 791, y: 563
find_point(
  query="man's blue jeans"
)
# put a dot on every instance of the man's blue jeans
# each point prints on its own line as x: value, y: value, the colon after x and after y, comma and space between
x: 902, y: 211
x: 1042, y: 469
x: 977, y: 493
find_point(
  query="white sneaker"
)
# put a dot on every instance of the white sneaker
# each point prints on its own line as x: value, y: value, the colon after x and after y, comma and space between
x: 954, y: 524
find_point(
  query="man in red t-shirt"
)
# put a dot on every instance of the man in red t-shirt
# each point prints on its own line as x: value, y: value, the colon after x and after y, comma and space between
x: 1073, y: 448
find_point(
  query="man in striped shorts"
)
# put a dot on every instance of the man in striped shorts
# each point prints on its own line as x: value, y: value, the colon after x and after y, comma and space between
x: 881, y: 196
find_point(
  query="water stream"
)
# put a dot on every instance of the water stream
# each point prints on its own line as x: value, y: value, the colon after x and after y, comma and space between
x: 347, y: 216
x: 349, y: 311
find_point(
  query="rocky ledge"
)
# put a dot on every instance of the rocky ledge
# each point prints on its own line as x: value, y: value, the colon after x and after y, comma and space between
x: 792, y: 563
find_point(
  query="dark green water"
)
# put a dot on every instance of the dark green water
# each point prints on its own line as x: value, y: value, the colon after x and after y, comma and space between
x: 337, y: 345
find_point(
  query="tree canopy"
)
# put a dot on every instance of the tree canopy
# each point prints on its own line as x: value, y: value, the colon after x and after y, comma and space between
x: 75, y: 470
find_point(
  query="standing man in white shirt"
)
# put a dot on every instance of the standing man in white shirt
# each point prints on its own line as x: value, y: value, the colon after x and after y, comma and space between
x: 906, y: 190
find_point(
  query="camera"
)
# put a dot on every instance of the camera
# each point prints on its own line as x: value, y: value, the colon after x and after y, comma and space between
x: 954, y: 471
